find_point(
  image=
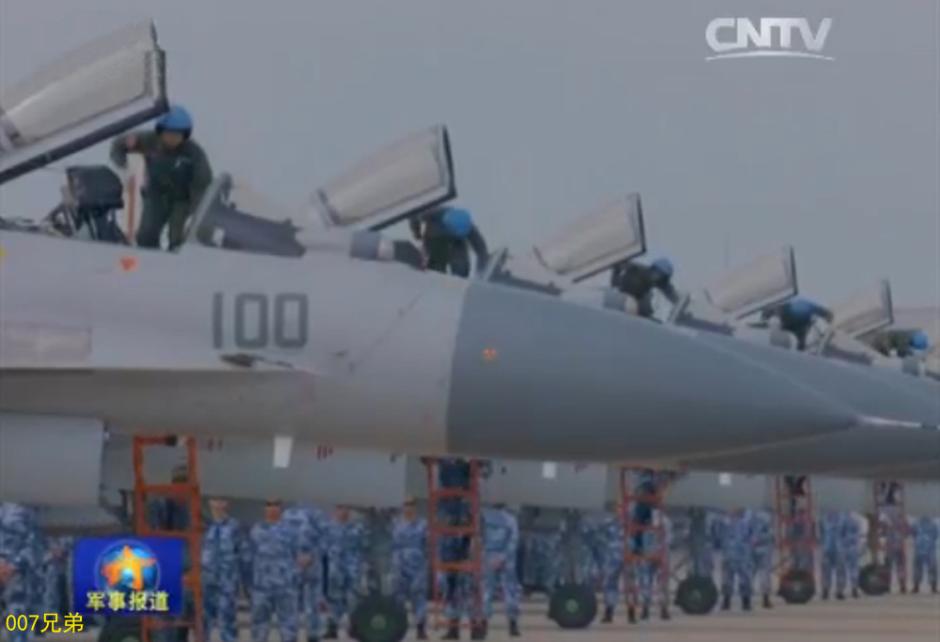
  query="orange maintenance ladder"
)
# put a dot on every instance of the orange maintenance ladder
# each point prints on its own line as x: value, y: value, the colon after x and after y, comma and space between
x: 794, y: 510
x: 439, y: 528
x: 889, y: 516
x: 659, y: 555
x: 188, y: 492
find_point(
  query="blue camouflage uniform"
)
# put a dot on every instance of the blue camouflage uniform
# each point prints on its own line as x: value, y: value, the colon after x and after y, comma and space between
x: 346, y: 544
x: 851, y: 535
x: 223, y: 549
x: 737, y: 557
x: 801, y: 536
x: 410, y: 563
x: 831, y: 550
x: 895, y: 553
x: 543, y: 560
x: 56, y: 565
x: 606, y: 539
x: 19, y: 537
x: 650, y: 571
x: 762, y: 533
x: 925, y: 534
x: 274, y: 549
x: 312, y: 528
x: 500, y: 545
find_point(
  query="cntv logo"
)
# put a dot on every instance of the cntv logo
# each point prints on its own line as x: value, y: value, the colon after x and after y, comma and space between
x: 770, y: 37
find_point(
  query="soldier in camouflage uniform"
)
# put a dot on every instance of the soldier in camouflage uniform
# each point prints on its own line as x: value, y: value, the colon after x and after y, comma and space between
x: 543, y: 560
x: 276, y: 555
x: 606, y: 539
x: 18, y: 562
x: 410, y: 562
x: 762, y: 531
x: 223, y: 548
x: 55, y: 574
x: 500, y: 545
x: 650, y: 572
x: 346, y: 545
x: 830, y: 544
x: 900, y: 343
x: 851, y: 536
x: 896, y: 532
x: 737, y: 558
x: 312, y: 526
x: 925, y: 534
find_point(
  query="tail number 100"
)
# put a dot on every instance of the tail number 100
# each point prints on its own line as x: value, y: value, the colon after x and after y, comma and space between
x: 253, y: 321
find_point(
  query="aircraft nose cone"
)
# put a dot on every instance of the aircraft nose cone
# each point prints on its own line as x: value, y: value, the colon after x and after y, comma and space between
x: 535, y: 377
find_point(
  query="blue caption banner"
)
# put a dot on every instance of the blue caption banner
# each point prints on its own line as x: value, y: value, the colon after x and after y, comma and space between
x: 128, y: 575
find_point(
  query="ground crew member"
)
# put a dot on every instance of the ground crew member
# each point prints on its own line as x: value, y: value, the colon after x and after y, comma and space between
x: 277, y: 555
x: 925, y: 534
x: 178, y: 174
x: 639, y: 281
x: 410, y: 562
x: 650, y: 571
x: 346, y: 545
x: 736, y: 558
x: 763, y: 533
x: 500, y: 545
x: 311, y: 526
x: 900, y: 343
x: 18, y: 561
x: 606, y: 539
x: 830, y: 540
x: 55, y: 591
x: 797, y: 316
x: 543, y: 560
x: 896, y: 532
x: 172, y: 514
x: 851, y: 550
x: 445, y: 235
x: 222, y: 553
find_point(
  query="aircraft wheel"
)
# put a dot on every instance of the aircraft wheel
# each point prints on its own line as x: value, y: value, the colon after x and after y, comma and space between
x: 797, y: 587
x: 573, y: 606
x: 874, y: 579
x: 120, y: 629
x: 379, y: 618
x: 697, y: 595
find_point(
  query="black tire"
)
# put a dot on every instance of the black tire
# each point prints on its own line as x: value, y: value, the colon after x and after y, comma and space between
x: 874, y: 579
x: 697, y: 595
x: 573, y: 606
x: 379, y: 618
x: 120, y: 629
x: 797, y: 586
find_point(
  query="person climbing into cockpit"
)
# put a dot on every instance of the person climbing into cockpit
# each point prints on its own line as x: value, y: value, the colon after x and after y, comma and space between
x: 797, y: 316
x: 639, y: 281
x: 446, y: 234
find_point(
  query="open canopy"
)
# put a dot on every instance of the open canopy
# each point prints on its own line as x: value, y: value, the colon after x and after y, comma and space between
x: 92, y: 93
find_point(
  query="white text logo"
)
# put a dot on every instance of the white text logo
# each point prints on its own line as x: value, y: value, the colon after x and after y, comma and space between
x: 771, y: 37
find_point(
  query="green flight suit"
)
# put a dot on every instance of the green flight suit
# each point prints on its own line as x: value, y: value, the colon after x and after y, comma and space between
x: 176, y: 181
x: 898, y: 341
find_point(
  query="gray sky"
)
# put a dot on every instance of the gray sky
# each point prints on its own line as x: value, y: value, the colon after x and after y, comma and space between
x: 554, y: 106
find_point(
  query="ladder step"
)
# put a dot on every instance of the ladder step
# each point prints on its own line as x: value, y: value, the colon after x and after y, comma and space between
x: 454, y: 530
x: 458, y: 567
x: 451, y: 493
x: 169, y: 489
x: 161, y: 623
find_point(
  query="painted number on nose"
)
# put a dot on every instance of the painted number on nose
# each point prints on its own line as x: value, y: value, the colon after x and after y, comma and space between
x: 253, y: 321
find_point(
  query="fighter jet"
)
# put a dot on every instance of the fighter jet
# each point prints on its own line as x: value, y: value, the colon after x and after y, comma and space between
x: 327, y: 344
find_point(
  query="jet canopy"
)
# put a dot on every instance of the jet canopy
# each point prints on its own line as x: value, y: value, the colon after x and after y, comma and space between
x: 92, y: 93
x: 398, y: 181
x: 593, y: 243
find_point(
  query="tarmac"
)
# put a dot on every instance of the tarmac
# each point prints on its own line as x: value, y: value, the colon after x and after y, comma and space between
x: 894, y: 618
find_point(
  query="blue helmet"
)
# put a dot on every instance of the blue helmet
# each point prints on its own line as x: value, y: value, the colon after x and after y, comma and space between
x: 919, y: 340
x: 457, y: 222
x: 177, y: 119
x: 663, y: 266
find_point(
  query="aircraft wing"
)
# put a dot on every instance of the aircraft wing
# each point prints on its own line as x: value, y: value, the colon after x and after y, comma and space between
x: 88, y: 95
